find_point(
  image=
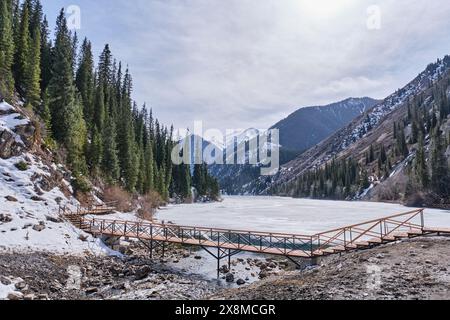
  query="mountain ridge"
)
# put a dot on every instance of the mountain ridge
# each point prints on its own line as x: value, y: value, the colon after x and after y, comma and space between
x: 320, y: 122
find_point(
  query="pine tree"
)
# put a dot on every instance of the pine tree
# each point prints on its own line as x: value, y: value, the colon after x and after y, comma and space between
x: 33, y: 74
x: 440, y: 175
x: 95, y: 152
x: 76, y: 136
x: 98, y: 112
x: 110, y: 160
x: 23, y: 43
x: 6, y: 48
x: 371, y: 154
x: 85, y: 79
x: 149, y: 169
x: 126, y: 138
x: 420, y: 166
x: 61, y: 88
x: 402, y: 147
x: 68, y: 123
x: 46, y: 57
x: 198, y: 179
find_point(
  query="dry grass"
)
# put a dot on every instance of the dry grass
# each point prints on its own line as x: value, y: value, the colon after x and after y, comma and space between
x: 148, y: 204
x: 124, y: 199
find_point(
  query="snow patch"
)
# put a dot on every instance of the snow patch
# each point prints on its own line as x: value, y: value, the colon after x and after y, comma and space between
x: 28, y: 207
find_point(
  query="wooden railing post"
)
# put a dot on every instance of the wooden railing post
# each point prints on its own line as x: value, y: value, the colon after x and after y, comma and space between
x: 422, y: 219
x: 345, y: 238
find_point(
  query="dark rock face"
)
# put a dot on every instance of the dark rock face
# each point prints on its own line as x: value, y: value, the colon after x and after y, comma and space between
x: 10, y: 145
x: 27, y: 133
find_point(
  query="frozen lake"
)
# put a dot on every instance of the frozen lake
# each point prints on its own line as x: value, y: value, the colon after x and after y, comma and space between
x: 275, y: 214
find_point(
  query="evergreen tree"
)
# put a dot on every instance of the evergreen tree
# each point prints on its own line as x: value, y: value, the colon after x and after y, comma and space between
x: 420, y: 166
x: 23, y: 43
x: 85, y: 79
x: 66, y: 110
x: 440, y: 176
x: 6, y: 48
x: 95, y: 152
x: 98, y: 112
x: 33, y: 73
x: 402, y: 147
x: 149, y: 169
x: 126, y: 138
x: 198, y: 179
x: 46, y: 57
x: 76, y: 136
x: 110, y: 160
x: 61, y: 89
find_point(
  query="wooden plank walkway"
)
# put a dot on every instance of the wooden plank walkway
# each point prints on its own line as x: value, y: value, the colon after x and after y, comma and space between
x: 359, y: 236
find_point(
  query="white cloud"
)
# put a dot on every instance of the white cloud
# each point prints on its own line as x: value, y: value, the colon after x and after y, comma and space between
x: 248, y: 63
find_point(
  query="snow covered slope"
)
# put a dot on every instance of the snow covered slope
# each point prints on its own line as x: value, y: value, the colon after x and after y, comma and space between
x: 369, y: 128
x: 31, y: 189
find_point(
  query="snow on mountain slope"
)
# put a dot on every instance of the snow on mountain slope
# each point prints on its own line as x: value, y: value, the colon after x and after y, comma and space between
x: 31, y: 190
x: 363, y: 131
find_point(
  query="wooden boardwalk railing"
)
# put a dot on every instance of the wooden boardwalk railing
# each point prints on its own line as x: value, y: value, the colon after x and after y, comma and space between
x: 97, y: 209
x: 358, y: 236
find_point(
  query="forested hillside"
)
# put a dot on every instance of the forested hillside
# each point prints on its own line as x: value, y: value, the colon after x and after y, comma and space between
x: 308, y: 126
x: 86, y: 112
x: 397, y: 151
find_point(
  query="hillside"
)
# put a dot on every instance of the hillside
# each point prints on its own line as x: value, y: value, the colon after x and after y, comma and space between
x: 298, y: 132
x: 374, y: 156
x: 32, y: 187
x: 308, y: 126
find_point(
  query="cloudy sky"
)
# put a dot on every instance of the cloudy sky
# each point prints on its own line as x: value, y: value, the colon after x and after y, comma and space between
x: 249, y: 63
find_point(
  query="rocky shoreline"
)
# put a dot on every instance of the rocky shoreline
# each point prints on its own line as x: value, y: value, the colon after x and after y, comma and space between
x: 133, y: 276
x: 412, y: 269
x: 416, y: 269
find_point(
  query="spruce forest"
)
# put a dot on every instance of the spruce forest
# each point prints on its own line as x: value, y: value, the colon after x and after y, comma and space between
x: 86, y: 111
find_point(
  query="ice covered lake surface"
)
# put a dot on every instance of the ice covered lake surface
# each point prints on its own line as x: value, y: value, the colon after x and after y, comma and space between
x: 275, y: 214
x: 288, y: 215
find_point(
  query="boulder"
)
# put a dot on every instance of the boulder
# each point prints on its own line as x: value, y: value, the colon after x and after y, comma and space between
x: 142, y: 273
x: 224, y: 269
x: 5, y: 281
x: 5, y: 218
x: 15, y: 296
x: 240, y: 282
x: 42, y: 296
x: 91, y: 290
x: 54, y: 220
x: 29, y: 297
x: 38, y: 227
x: 229, y: 277
x: 20, y: 285
x: 11, y: 199
x: 83, y: 238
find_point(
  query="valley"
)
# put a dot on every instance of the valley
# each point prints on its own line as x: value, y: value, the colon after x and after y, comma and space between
x: 102, y: 197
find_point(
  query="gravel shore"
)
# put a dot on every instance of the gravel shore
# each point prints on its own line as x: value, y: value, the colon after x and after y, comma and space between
x: 413, y: 269
x: 409, y: 270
